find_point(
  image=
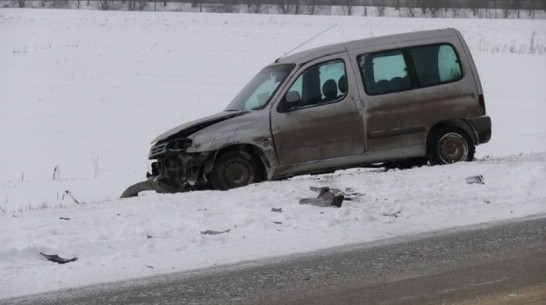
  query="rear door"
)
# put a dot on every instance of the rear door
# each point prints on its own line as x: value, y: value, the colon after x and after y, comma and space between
x: 326, y: 123
x: 408, y: 90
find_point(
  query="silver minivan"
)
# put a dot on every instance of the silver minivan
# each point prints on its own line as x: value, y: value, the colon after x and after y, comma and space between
x: 400, y: 100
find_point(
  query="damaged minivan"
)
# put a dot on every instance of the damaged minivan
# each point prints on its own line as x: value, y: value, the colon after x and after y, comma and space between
x: 405, y: 99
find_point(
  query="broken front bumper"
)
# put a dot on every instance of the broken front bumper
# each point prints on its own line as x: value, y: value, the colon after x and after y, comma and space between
x: 158, y: 184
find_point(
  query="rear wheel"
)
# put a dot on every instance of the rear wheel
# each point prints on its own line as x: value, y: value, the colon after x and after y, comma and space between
x: 449, y: 145
x: 234, y: 169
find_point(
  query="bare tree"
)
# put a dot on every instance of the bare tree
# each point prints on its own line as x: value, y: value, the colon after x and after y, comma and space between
x: 347, y: 7
x: 134, y: 5
x: 298, y: 8
x: 195, y: 3
x: 285, y: 6
x: 517, y: 5
x: 21, y: 3
x: 475, y: 6
x: 423, y: 4
x: 380, y: 7
x: 506, y: 12
x: 254, y: 6
x: 434, y: 7
x: 227, y: 6
x: 310, y: 6
x: 412, y: 5
x: 445, y: 5
x: 531, y: 11
x: 59, y: 3
x: 103, y: 5
x: 397, y: 5
x: 131, y: 5
x: 456, y: 12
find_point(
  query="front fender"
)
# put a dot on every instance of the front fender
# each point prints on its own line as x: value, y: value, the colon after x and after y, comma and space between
x: 250, y: 130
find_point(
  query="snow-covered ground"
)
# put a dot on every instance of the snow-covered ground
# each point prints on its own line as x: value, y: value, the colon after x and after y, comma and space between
x: 83, y: 92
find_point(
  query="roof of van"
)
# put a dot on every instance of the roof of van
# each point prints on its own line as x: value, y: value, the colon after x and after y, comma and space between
x: 390, y: 41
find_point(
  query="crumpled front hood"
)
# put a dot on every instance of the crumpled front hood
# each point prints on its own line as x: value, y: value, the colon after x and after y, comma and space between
x: 189, y: 128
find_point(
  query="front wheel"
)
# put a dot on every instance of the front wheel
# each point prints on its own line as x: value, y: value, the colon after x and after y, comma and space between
x: 234, y: 169
x: 450, y: 145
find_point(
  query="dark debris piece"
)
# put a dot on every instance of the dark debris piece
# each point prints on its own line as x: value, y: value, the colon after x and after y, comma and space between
x: 327, y: 197
x: 395, y: 214
x: 214, y: 232
x: 57, y: 259
x: 475, y: 180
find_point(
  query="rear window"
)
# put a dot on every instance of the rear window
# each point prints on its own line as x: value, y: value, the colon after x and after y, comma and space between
x: 409, y: 68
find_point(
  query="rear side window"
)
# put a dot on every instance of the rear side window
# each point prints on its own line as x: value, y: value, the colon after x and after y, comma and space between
x: 385, y: 72
x: 408, y: 68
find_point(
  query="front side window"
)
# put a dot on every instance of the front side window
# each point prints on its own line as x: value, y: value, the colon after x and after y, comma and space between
x: 321, y: 83
x: 257, y: 93
x: 390, y: 71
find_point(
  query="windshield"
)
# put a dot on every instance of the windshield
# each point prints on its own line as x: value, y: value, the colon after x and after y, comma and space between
x: 260, y: 89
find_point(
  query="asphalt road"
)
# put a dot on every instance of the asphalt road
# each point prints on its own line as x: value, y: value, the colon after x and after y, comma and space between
x: 503, y: 263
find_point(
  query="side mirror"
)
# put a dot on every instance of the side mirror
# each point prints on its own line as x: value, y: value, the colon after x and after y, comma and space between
x: 291, y: 100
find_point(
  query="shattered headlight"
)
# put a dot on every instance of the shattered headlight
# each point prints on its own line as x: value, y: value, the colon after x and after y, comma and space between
x: 179, y: 144
x: 173, y: 145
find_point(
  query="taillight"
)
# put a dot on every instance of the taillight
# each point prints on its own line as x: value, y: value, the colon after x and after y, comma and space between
x: 482, y: 102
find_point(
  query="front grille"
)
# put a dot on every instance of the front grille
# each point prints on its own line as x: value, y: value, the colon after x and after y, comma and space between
x: 157, y: 149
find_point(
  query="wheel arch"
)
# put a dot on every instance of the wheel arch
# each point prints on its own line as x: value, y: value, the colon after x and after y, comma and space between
x: 258, y: 154
x: 458, y: 123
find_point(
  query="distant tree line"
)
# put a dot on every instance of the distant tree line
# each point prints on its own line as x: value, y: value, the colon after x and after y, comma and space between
x: 301, y: 6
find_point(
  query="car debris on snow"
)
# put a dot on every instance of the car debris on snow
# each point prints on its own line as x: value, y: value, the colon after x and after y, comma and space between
x: 478, y: 179
x: 327, y: 197
x: 395, y: 214
x: 349, y: 194
x: 57, y: 259
x: 214, y: 232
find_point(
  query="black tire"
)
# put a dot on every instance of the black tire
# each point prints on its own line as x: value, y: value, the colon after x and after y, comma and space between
x: 234, y: 169
x: 449, y: 145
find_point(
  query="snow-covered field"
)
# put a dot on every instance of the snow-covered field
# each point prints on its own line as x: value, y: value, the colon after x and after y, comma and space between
x: 83, y: 92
